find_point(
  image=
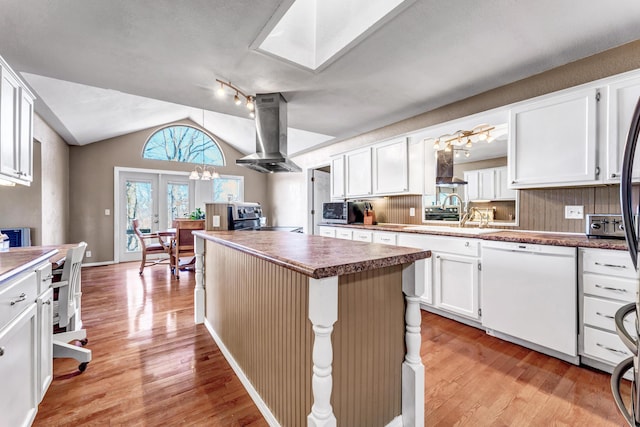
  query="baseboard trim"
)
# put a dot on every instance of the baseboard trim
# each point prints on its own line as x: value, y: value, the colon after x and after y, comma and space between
x: 253, y: 393
x: 97, y: 264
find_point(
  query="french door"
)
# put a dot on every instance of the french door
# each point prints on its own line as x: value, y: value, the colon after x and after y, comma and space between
x: 155, y: 199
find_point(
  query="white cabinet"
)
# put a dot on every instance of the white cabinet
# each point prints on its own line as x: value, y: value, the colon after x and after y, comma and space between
x: 456, y: 284
x: 385, y: 237
x: 16, y: 128
x: 552, y: 141
x: 390, y: 167
x: 45, y: 341
x: 358, y: 172
x: 622, y: 100
x: 18, y: 351
x: 423, y: 275
x: 607, y: 282
x: 344, y: 233
x: 416, y: 167
x: 337, y: 177
x: 327, y: 231
x: 363, y: 236
x: 488, y: 184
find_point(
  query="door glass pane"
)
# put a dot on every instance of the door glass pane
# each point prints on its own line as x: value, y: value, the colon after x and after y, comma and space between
x: 177, y: 201
x: 140, y: 206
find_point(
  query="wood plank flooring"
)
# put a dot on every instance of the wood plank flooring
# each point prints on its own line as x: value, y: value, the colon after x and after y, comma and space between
x: 152, y: 366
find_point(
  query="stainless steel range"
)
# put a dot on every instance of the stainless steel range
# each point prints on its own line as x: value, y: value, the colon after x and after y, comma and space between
x: 605, y: 225
x: 244, y: 216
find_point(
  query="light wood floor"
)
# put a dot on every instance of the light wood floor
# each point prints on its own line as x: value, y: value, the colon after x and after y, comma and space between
x: 152, y: 366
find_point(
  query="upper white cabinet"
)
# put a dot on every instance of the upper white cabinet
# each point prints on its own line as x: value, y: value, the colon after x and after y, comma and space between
x: 358, y: 172
x: 623, y: 97
x: 337, y: 177
x: 552, y: 141
x: 391, y: 167
x: 416, y: 167
x: 16, y: 128
x: 488, y: 184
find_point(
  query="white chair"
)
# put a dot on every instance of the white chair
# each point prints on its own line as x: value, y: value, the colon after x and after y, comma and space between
x: 66, y: 310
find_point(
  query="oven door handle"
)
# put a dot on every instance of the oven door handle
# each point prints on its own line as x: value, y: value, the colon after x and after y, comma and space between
x: 624, y: 335
x: 616, y: 378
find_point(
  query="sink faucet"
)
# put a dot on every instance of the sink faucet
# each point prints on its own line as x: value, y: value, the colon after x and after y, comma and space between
x: 450, y: 196
x: 484, y: 218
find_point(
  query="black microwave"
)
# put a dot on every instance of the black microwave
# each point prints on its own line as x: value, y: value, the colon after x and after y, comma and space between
x: 343, y: 212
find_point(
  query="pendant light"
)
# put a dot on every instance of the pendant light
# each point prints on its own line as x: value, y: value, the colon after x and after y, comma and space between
x: 204, y: 172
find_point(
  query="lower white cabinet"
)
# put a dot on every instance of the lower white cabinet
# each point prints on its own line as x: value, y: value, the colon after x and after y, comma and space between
x: 607, y: 281
x: 456, y: 284
x: 18, y: 369
x: 363, y: 236
x: 327, y: 231
x: 344, y: 233
x: 385, y: 237
x: 45, y: 342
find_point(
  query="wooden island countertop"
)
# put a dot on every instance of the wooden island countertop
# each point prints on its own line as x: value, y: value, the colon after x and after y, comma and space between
x: 315, y: 256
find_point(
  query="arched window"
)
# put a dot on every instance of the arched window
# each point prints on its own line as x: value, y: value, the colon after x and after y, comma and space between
x: 183, y: 144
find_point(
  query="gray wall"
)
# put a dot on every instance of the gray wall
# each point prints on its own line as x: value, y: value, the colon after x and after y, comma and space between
x: 91, y: 184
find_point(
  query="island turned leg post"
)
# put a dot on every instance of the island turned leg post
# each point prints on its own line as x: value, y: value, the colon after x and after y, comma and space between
x: 323, y: 313
x: 412, y: 367
x: 199, y: 293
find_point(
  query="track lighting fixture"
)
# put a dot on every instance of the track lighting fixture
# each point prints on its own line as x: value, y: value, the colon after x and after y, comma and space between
x: 249, y: 100
x: 462, y: 140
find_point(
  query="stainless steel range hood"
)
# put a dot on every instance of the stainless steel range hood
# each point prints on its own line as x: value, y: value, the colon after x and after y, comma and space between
x: 271, y: 136
x: 444, y: 170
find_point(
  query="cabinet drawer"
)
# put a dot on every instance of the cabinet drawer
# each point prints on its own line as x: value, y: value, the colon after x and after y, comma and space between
x: 363, y: 236
x: 609, y: 262
x: 599, y: 312
x: 344, y: 234
x: 44, y: 276
x: 609, y: 287
x: 15, y: 296
x: 385, y: 238
x: 455, y: 245
x: 604, y: 345
x: 327, y: 232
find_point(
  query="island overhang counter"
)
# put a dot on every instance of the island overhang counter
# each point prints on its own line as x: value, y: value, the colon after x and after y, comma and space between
x: 320, y: 331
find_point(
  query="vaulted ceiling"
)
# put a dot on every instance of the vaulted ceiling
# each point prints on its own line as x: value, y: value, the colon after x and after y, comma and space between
x: 106, y: 68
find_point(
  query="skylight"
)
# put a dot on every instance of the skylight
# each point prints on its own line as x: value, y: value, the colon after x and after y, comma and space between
x: 314, y: 33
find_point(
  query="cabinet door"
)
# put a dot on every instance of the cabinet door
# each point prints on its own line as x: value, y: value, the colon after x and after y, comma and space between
x: 473, y: 185
x: 45, y: 342
x: 358, y: 172
x: 487, y: 184
x: 552, y: 142
x: 623, y: 97
x: 18, y: 359
x: 25, y: 137
x: 337, y: 177
x: 503, y: 192
x: 391, y: 167
x: 9, y: 101
x: 416, y: 167
x: 456, y: 284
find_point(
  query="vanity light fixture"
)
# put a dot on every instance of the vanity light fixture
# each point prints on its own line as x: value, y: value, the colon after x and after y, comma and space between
x: 249, y: 100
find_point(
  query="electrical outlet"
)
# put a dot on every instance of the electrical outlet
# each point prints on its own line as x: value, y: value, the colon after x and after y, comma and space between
x: 107, y: 212
x: 412, y: 211
x: 574, y: 212
x: 87, y: 254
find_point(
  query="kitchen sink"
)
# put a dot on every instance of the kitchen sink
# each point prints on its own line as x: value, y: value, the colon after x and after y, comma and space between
x: 456, y: 230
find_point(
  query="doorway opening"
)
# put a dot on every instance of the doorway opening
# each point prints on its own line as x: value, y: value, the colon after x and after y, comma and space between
x: 319, y: 190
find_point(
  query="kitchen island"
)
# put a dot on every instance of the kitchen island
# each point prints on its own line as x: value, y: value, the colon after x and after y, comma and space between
x: 320, y: 331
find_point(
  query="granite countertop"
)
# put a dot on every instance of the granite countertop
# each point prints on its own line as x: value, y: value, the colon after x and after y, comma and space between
x: 521, y: 236
x: 15, y: 261
x: 314, y: 256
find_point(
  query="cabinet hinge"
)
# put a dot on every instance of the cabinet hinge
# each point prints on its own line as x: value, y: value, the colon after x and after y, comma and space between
x: 597, y: 171
x: 597, y: 96
x: 479, y: 266
x: 313, y: 179
x: 479, y: 312
x: 313, y: 212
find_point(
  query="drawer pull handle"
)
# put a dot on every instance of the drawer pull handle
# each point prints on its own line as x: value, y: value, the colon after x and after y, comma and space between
x: 611, y: 265
x: 605, y: 315
x: 609, y: 288
x: 47, y: 302
x: 46, y: 279
x: 21, y: 298
x: 1, y: 351
x: 612, y: 349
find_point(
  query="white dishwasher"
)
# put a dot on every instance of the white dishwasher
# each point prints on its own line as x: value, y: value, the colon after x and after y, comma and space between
x: 529, y: 292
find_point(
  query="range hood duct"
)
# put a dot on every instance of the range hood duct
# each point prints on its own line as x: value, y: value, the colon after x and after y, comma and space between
x: 444, y: 169
x: 271, y: 136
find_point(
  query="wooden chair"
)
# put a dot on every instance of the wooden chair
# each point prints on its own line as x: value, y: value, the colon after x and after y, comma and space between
x: 66, y: 310
x: 182, y: 245
x: 152, y: 244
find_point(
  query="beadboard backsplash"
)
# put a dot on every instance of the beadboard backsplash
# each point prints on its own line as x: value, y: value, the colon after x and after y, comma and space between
x: 540, y: 209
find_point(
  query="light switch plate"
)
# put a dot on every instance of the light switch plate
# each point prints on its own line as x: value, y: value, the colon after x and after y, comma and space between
x: 412, y: 211
x: 87, y: 254
x: 573, y: 212
x: 215, y: 220
x: 107, y: 212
